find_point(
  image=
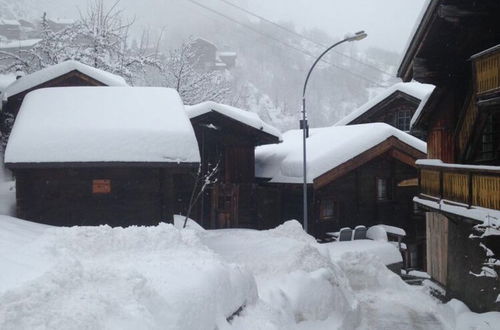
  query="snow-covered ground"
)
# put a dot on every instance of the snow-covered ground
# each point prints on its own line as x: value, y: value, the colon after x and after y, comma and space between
x: 165, y: 277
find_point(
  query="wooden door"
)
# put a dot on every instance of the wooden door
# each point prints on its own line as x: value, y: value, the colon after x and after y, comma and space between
x: 437, y: 246
x: 225, y: 200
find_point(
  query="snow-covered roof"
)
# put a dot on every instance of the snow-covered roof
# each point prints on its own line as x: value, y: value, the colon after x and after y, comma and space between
x: 327, y: 148
x: 227, y: 54
x: 421, y: 106
x: 4, y: 21
x: 63, y: 21
x: 415, y: 89
x: 57, y: 70
x: 98, y: 124
x: 18, y: 43
x: 246, y: 117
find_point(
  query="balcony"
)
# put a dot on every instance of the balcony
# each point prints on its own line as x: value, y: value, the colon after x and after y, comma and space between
x: 486, y: 67
x: 463, y: 185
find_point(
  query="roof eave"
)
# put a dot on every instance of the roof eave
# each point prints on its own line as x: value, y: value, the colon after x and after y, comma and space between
x: 404, y: 70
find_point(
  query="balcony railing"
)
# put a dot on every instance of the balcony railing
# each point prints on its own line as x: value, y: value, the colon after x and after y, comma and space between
x: 487, y: 70
x: 469, y: 185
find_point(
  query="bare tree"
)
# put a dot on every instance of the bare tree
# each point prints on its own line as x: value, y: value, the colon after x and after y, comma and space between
x: 99, y: 39
x: 203, y: 181
x: 194, y: 85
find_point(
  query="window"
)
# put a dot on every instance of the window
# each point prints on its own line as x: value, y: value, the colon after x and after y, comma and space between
x: 403, y: 119
x: 490, y: 139
x: 382, y: 189
x: 328, y: 209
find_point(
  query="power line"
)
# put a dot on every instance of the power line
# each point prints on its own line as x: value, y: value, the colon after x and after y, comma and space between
x: 284, y: 28
x: 283, y: 43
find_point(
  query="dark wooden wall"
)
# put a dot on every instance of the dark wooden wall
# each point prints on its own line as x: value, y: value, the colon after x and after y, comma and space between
x: 65, y: 197
x: 357, y: 197
x: 233, y: 200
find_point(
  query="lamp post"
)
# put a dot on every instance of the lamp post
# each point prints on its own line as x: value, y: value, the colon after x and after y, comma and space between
x: 303, y: 123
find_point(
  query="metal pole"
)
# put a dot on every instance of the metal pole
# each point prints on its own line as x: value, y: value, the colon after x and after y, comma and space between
x: 358, y: 36
x: 304, y: 164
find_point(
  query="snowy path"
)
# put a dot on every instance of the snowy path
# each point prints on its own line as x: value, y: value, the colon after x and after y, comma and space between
x: 165, y: 278
x: 291, y: 283
x: 385, y: 310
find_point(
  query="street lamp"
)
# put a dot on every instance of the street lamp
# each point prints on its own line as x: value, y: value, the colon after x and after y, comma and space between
x: 303, y: 123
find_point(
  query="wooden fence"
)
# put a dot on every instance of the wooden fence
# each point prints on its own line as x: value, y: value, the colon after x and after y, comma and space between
x: 470, y: 186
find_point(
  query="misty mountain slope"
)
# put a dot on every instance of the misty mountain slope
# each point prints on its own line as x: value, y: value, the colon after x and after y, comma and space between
x: 271, y: 65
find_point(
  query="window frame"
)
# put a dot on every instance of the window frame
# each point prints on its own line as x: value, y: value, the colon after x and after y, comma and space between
x: 333, y: 203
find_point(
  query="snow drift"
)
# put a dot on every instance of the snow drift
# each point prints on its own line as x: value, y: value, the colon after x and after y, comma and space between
x: 116, y: 278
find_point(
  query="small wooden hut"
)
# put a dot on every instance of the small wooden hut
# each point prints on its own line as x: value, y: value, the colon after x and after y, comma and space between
x: 91, y: 155
x: 227, y: 137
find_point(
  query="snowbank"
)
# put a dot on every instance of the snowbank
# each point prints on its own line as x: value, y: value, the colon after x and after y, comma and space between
x: 164, y: 278
x: 96, y: 124
x: 327, y: 148
x: 246, y: 117
x: 115, y: 278
x: 466, y: 320
x: 415, y: 89
x: 296, y: 281
x: 39, y: 77
x: 386, y: 252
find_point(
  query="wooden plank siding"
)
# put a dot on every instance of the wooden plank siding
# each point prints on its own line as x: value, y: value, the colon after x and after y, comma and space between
x: 466, y: 127
x: 429, y: 183
x: 437, y: 246
x: 487, y: 71
x: 440, y: 144
x: 486, y: 191
x: 456, y: 187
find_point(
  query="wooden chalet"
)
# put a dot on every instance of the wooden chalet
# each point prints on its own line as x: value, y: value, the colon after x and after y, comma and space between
x: 10, y: 29
x: 394, y: 106
x: 92, y: 155
x: 456, y: 48
x: 68, y: 73
x: 357, y: 174
x: 227, y: 138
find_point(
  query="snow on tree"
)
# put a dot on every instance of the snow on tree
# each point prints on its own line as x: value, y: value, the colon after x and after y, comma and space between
x: 99, y: 39
x: 194, y: 85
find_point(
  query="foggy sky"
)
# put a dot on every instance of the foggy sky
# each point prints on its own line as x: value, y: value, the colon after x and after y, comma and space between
x: 387, y: 22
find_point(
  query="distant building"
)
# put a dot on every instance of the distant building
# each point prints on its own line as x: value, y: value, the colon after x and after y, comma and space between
x: 394, y: 106
x: 10, y: 29
x: 58, y: 24
x: 207, y: 56
x: 228, y: 58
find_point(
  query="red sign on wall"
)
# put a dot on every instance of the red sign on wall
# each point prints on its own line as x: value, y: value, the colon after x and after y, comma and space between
x: 101, y: 186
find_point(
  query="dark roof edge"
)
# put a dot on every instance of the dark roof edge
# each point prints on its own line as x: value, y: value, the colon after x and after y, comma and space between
x: 416, y: 38
x: 28, y: 165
